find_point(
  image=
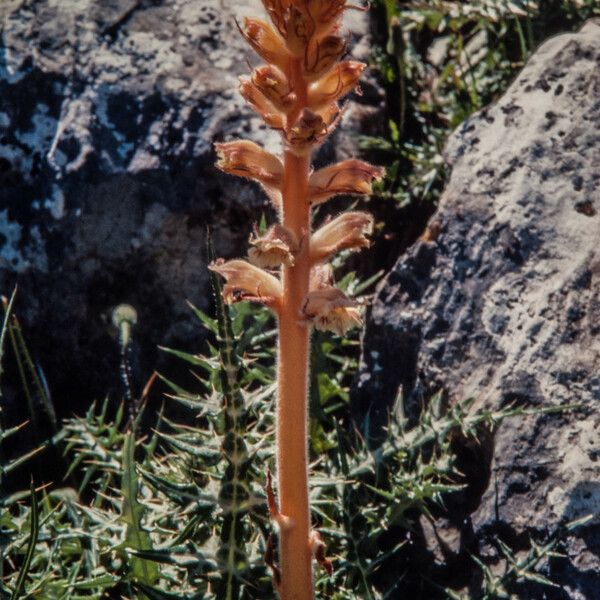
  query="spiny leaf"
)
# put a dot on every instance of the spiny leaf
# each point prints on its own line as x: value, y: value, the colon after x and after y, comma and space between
x: 33, y: 536
x: 7, y: 312
x: 132, y: 512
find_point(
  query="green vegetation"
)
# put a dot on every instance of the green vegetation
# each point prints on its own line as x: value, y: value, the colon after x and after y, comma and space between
x: 441, y: 61
x: 181, y: 512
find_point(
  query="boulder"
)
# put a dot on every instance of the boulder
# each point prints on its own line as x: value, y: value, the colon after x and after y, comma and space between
x: 107, y: 186
x: 499, y: 301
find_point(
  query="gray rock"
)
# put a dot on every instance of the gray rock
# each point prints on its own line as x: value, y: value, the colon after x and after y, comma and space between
x: 500, y: 302
x: 108, y: 115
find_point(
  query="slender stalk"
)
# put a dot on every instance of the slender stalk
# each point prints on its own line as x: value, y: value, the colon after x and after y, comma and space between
x: 303, y: 45
x: 292, y: 415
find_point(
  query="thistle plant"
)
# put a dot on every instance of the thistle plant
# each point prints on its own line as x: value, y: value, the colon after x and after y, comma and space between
x: 297, y: 93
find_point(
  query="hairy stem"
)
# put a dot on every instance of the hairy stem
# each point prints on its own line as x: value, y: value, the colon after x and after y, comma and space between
x: 292, y: 417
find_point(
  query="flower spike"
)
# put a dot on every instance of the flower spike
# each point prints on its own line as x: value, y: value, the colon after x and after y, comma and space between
x: 348, y: 231
x: 297, y: 93
x: 247, y: 282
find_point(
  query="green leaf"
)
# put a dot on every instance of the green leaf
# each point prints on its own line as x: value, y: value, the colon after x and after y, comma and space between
x: 193, y: 359
x: 209, y: 323
x: 132, y: 512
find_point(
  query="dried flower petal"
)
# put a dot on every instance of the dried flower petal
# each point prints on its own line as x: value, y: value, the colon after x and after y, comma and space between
x: 266, y: 42
x: 247, y: 282
x: 277, y: 247
x: 271, y: 116
x: 247, y: 159
x: 337, y: 83
x: 348, y: 231
x: 273, y: 84
x: 331, y: 310
x: 347, y: 177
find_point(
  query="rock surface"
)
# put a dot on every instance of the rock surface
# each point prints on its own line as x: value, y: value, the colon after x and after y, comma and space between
x: 500, y: 302
x: 108, y: 112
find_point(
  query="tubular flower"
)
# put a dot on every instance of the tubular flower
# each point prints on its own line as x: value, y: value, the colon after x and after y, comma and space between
x: 350, y: 176
x: 331, y: 310
x: 277, y: 247
x: 266, y: 42
x: 348, y: 231
x: 272, y: 83
x: 247, y: 282
x: 293, y: 22
x: 337, y: 83
x: 247, y: 159
x: 322, y: 54
x: 271, y: 116
x: 299, y: 28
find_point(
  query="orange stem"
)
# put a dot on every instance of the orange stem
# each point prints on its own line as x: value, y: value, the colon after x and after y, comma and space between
x: 292, y: 406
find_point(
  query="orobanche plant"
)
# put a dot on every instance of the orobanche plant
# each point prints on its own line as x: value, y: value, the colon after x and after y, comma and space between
x: 297, y: 93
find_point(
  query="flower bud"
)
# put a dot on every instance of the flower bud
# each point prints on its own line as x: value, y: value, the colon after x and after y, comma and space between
x: 348, y: 231
x: 277, y: 247
x: 247, y: 282
x: 347, y: 177
x: 331, y: 310
x: 337, y: 83
x: 322, y: 54
x: 273, y: 84
x: 271, y: 116
x: 266, y: 42
x: 247, y: 159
